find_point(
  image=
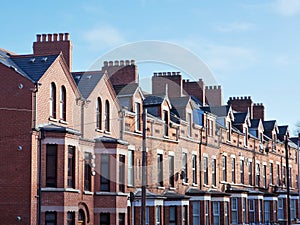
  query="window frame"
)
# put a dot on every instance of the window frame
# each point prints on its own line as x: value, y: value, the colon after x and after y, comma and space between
x: 51, y: 181
x: 63, y: 103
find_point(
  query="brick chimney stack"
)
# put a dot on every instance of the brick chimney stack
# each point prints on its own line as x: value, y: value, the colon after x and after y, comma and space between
x: 54, y: 44
x: 173, y: 80
x: 213, y: 95
x: 241, y: 104
x: 258, y: 111
x: 195, y: 88
x: 121, y: 72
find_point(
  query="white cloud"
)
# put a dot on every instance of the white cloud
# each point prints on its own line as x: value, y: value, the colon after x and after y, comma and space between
x: 287, y: 7
x: 103, y: 36
x: 236, y: 27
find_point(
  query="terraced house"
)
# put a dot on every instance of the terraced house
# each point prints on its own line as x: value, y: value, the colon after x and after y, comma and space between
x: 71, y: 147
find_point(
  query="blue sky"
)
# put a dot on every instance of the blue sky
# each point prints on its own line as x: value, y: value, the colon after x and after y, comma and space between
x: 252, y: 47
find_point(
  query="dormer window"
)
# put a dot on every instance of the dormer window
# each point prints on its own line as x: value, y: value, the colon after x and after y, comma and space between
x: 53, y: 100
x: 63, y: 105
x: 274, y: 140
x: 210, y: 130
x: 228, y: 128
x: 138, y: 116
x: 245, y: 132
x: 166, y: 125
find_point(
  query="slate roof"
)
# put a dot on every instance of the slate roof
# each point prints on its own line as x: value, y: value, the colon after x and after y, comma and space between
x: 151, y: 100
x: 239, y: 118
x: 282, y: 130
x: 149, y: 195
x: 172, y: 195
x: 87, y: 81
x: 269, y: 125
x: 33, y: 67
x: 58, y: 129
x: 126, y: 89
x: 254, y: 123
x: 195, y: 191
x: 180, y: 102
x: 220, y: 111
x: 106, y: 139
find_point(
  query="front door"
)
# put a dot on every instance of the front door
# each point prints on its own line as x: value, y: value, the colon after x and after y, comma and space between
x: 81, y: 217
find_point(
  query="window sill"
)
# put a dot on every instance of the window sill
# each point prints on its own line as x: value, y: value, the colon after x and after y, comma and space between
x: 161, y: 188
x: 98, y: 130
x: 166, y: 137
x: 107, y: 132
x: 52, y: 119
x: 205, y: 185
x: 88, y: 193
x: 213, y: 187
x: 185, y: 184
x: 63, y: 121
x: 51, y: 189
x: 195, y: 185
x: 138, y: 131
x: 172, y: 188
x: 130, y: 186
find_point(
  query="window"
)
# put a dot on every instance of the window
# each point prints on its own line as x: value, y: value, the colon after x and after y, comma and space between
x: 265, y: 175
x: 160, y: 178
x: 233, y: 170
x: 196, y: 213
x: 210, y: 130
x: 194, y: 161
x: 166, y: 124
x: 250, y: 173
x: 245, y: 131
x: 244, y: 203
x: 130, y: 156
x: 71, y: 166
x: 293, y: 209
x: 63, y: 103
x: 226, y: 209
x: 184, y: 168
x: 257, y: 175
x: 280, y: 209
x: 260, y: 209
x: 87, y: 171
x: 99, y: 114
x: 271, y: 173
x: 104, y: 219
x: 51, y: 165
x: 138, y: 116
x: 283, y: 175
x: 290, y: 176
x: 121, y: 173
x: 224, y: 168
x: 214, y: 172
x: 207, y: 222
x: 50, y: 218
x: 71, y: 218
x: 242, y: 171
x: 234, y: 210
x: 107, y: 116
x: 278, y: 174
x: 251, y: 203
x: 104, y: 171
x: 267, y: 211
x: 216, y: 213
x: 185, y: 215
x: 189, y: 120
x: 53, y: 100
x: 228, y: 129
x: 147, y: 216
x: 172, y: 216
x: 158, y: 215
x: 121, y: 218
x: 205, y: 169
x: 171, y: 171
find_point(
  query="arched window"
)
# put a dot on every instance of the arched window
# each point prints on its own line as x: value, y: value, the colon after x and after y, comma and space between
x: 99, y: 114
x: 107, y: 116
x: 53, y: 100
x: 63, y: 103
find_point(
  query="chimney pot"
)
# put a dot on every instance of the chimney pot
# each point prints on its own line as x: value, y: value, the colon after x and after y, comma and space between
x: 121, y: 62
x: 127, y: 62
x: 49, y: 37
x: 67, y: 36
x: 105, y: 63
x: 44, y: 36
x: 116, y: 63
x: 132, y: 62
x: 110, y: 63
x: 38, y: 38
x: 55, y: 37
x: 61, y: 36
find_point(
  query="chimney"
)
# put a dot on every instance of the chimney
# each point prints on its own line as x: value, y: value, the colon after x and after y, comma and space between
x: 241, y: 104
x: 121, y: 72
x: 172, y: 79
x: 258, y: 111
x: 195, y: 88
x: 213, y: 95
x: 47, y: 44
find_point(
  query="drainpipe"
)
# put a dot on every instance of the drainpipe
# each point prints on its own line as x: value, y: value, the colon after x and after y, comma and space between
x: 39, y: 194
x: 287, y: 179
x: 200, y: 157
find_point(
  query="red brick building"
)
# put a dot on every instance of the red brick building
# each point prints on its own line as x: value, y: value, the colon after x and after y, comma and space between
x: 71, y: 147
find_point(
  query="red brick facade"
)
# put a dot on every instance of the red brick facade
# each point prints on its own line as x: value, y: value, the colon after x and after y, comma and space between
x: 83, y: 137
